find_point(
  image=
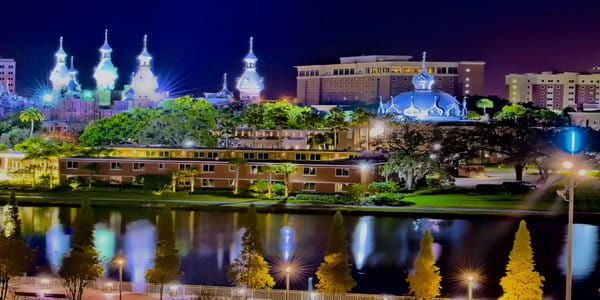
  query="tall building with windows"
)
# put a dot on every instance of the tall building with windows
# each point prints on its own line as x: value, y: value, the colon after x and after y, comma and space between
x: 366, y: 78
x: 8, y: 70
x: 555, y: 90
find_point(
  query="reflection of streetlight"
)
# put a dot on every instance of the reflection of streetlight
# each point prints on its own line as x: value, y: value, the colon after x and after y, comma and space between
x: 288, y: 270
x: 120, y: 261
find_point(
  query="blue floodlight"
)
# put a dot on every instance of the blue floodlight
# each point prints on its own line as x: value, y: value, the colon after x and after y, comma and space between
x: 573, y: 141
x: 47, y: 97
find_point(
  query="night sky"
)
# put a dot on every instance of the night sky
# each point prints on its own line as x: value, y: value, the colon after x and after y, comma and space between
x: 193, y: 41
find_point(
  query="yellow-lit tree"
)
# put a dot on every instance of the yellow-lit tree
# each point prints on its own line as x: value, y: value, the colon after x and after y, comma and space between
x: 334, y: 273
x: 521, y: 280
x: 425, y: 281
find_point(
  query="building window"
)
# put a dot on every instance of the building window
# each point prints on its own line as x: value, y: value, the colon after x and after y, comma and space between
x: 184, y: 167
x: 340, y: 187
x: 161, y: 166
x: 309, y: 171
x: 208, y: 168
x: 198, y: 154
x: 231, y: 182
x: 232, y: 168
x: 309, y: 186
x: 213, y: 155
x: 342, y: 172
x: 248, y: 155
x: 139, y: 167
x: 163, y: 153
x: 72, y: 165
x: 208, y: 182
x: 300, y: 156
x: 263, y: 155
x: 255, y: 169
x: 115, y: 166
x: 315, y: 157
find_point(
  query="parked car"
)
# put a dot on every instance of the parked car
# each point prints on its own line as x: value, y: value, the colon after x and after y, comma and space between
x: 518, y: 187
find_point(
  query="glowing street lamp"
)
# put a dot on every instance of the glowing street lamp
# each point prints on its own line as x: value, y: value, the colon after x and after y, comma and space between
x: 120, y: 261
x: 288, y: 270
x: 470, y: 282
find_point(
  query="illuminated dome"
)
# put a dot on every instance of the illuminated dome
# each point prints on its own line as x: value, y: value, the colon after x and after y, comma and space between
x: 105, y: 73
x: 424, y: 103
x: 250, y: 84
x: 59, y: 77
x: 144, y: 84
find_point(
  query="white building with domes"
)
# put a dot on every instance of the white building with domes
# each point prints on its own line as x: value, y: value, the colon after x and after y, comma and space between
x: 105, y: 73
x: 250, y: 84
x: 423, y: 103
x: 59, y: 76
x: 144, y: 84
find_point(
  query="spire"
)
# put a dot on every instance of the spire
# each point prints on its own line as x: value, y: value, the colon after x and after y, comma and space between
x: 72, y: 69
x: 61, y: 54
x: 105, y: 47
x: 61, y: 42
x: 224, y: 81
x: 145, y: 42
x: 423, y: 80
x: 106, y: 36
x: 250, y: 58
x: 105, y: 73
x: 251, y: 42
x: 423, y: 66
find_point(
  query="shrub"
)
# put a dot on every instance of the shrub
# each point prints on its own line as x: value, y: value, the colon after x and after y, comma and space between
x: 356, y: 192
x: 392, y: 199
x: 153, y: 182
x: 327, y: 198
x: 383, y: 187
x: 278, y: 188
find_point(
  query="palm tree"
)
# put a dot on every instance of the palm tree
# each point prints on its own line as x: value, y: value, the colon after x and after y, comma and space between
x: 31, y: 114
x: 93, y: 167
x: 286, y: 169
x: 253, y: 116
x: 237, y: 161
x: 361, y: 117
x: 308, y: 120
x: 269, y: 169
x: 484, y: 103
x: 192, y: 172
x: 336, y: 121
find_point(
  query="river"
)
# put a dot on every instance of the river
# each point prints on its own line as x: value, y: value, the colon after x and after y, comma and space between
x: 382, y: 248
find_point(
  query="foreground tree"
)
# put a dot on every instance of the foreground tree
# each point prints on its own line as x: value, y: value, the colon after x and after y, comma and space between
x: 166, y: 262
x: 334, y: 273
x: 238, y: 162
x: 250, y: 269
x: 425, y: 281
x: 15, y: 255
x: 484, y: 103
x: 286, y: 169
x: 521, y: 280
x: 31, y: 115
x: 81, y: 265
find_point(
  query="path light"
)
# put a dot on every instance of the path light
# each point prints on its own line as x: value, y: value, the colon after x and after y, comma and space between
x: 120, y: 261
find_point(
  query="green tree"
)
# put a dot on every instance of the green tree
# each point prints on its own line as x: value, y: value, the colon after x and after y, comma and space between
x: 81, y: 265
x: 121, y: 128
x: 521, y: 280
x: 269, y: 170
x: 425, y: 281
x: 238, y: 162
x: 93, y: 168
x: 191, y: 174
x: 286, y: 169
x: 334, y: 273
x: 15, y: 254
x: 511, y: 112
x: 308, y: 120
x: 227, y: 122
x: 31, y: 115
x: 484, y: 103
x: 336, y: 121
x: 166, y: 262
x: 36, y: 150
x: 361, y: 118
x: 250, y: 269
x: 253, y: 116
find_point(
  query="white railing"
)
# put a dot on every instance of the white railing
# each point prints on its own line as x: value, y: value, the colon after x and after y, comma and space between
x: 200, y: 292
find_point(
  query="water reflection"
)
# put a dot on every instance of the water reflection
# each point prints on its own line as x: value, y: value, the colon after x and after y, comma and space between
x: 105, y: 242
x: 362, y: 241
x: 140, y: 239
x: 585, y: 248
x: 286, y: 243
x: 57, y: 245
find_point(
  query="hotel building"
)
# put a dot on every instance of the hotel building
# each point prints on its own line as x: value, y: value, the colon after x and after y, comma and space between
x: 8, y: 69
x: 364, y: 78
x: 555, y: 90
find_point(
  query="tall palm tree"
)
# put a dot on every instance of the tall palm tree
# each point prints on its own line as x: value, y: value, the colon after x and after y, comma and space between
x: 93, y: 167
x: 361, y: 117
x: 286, y: 169
x: 192, y: 172
x: 238, y: 162
x: 308, y: 120
x: 269, y: 169
x: 253, y: 116
x: 31, y: 114
x: 336, y: 121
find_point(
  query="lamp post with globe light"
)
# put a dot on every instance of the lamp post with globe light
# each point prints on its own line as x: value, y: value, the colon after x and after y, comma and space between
x: 120, y: 261
x: 288, y: 270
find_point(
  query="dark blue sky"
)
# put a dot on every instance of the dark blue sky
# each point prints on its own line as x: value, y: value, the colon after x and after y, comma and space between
x: 193, y: 42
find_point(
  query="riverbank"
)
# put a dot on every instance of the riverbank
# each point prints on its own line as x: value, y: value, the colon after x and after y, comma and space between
x: 449, y: 204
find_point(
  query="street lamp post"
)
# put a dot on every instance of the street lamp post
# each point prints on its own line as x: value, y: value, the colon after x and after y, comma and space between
x: 470, y: 281
x: 571, y: 199
x: 120, y: 262
x: 288, y: 270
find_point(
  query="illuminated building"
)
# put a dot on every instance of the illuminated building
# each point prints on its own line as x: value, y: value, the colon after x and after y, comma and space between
x: 144, y: 83
x: 7, y: 75
x: 105, y: 73
x: 250, y: 84
x: 59, y: 76
x: 365, y: 78
x: 555, y: 90
x: 73, y: 86
x: 223, y: 97
x: 423, y: 103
